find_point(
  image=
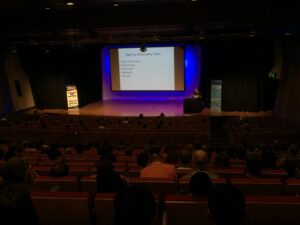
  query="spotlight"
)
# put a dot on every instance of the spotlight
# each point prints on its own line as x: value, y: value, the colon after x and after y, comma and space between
x: 70, y: 3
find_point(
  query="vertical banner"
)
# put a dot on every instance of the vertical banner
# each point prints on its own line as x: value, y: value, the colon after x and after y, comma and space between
x: 72, y: 96
x: 216, y: 95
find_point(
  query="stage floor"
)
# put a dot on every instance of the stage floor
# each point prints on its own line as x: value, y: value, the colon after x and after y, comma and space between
x: 146, y: 107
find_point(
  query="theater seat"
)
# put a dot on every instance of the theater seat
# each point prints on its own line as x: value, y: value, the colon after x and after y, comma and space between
x: 48, y: 183
x: 104, y: 207
x: 258, y: 186
x: 185, y: 182
x: 292, y: 186
x: 275, y: 210
x: 186, y: 210
x: 88, y: 183
x: 62, y: 208
x: 156, y: 185
x: 261, y: 209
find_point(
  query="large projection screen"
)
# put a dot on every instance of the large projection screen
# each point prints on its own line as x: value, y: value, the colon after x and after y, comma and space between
x: 156, y: 69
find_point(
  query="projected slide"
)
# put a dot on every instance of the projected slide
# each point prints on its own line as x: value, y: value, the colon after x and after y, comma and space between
x: 156, y: 69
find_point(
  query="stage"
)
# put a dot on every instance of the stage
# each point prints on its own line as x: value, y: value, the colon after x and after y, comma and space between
x: 170, y: 107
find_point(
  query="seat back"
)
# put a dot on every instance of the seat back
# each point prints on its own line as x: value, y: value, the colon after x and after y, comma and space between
x: 185, y: 209
x: 156, y: 185
x: 258, y: 186
x: 104, y: 207
x: 292, y: 186
x: 48, y: 183
x: 88, y: 183
x: 61, y: 208
x: 275, y: 210
x: 184, y: 183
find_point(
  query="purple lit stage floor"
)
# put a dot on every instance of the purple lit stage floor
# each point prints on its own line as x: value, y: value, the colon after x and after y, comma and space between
x: 147, y: 107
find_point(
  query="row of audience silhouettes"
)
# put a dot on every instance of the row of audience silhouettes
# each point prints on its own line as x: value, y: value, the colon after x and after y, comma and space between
x: 133, y: 205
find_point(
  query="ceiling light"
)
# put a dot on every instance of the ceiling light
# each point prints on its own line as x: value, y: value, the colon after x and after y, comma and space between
x: 116, y: 4
x: 70, y: 3
x: 47, y: 8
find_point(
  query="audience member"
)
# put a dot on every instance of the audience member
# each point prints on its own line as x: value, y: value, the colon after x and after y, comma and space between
x: 269, y: 158
x: 172, y: 157
x: 200, y: 161
x: 158, y: 169
x: 143, y: 159
x: 222, y: 160
x: 105, y: 152
x: 59, y: 169
x: 107, y: 179
x: 226, y: 205
x: 200, y: 184
x: 134, y: 205
x: 15, y: 202
x: 185, y: 158
x: 254, y: 165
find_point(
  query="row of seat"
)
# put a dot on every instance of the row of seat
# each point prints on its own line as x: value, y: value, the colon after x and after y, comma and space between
x: 132, y: 170
x: 81, y: 208
x: 257, y: 186
x: 130, y: 137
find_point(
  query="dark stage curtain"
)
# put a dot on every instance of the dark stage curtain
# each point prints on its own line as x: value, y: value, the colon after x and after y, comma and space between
x: 50, y: 70
x: 243, y: 67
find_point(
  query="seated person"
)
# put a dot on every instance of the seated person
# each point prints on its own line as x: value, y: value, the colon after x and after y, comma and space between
x: 185, y: 158
x: 158, y: 169
x: 59, y: 168
x: 200, y: 184
x: 226, y: 205
x: 222, y: 160
x: 143, y: 159
x: 15, y: 202
x: 254, y: 165
x: 200, y: 160
x: 134, y: 205
x: 107, y: 179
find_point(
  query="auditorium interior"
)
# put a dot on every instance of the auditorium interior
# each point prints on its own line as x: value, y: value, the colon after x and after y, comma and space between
x: 242, y: 58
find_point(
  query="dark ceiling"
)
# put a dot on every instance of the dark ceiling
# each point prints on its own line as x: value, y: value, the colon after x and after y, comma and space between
x: 52, y: 22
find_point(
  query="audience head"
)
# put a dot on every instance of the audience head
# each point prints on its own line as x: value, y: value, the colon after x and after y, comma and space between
x: 134, y: 205
x: 200, y: 159
x: 200, y: 184
x: 143, y: 159
x: 107, y: 179
x: 105, y: 168
x: 254, y: 164
x: 226, y: 205
x: 53, y: 153
x: 222, y: 160
x: 269, y: 158
x: 15, y: 171
x: 128, y: 151
x: 154, y: 152
x: 185, y: 156
x: 79, y: 148
x: 59, y: 169
x: 293, y: 150
x: 172, y: 157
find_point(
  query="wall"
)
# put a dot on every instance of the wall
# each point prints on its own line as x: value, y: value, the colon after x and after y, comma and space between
x: 288, y: 96
x: 5, y: 98
x: 15, y: 72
